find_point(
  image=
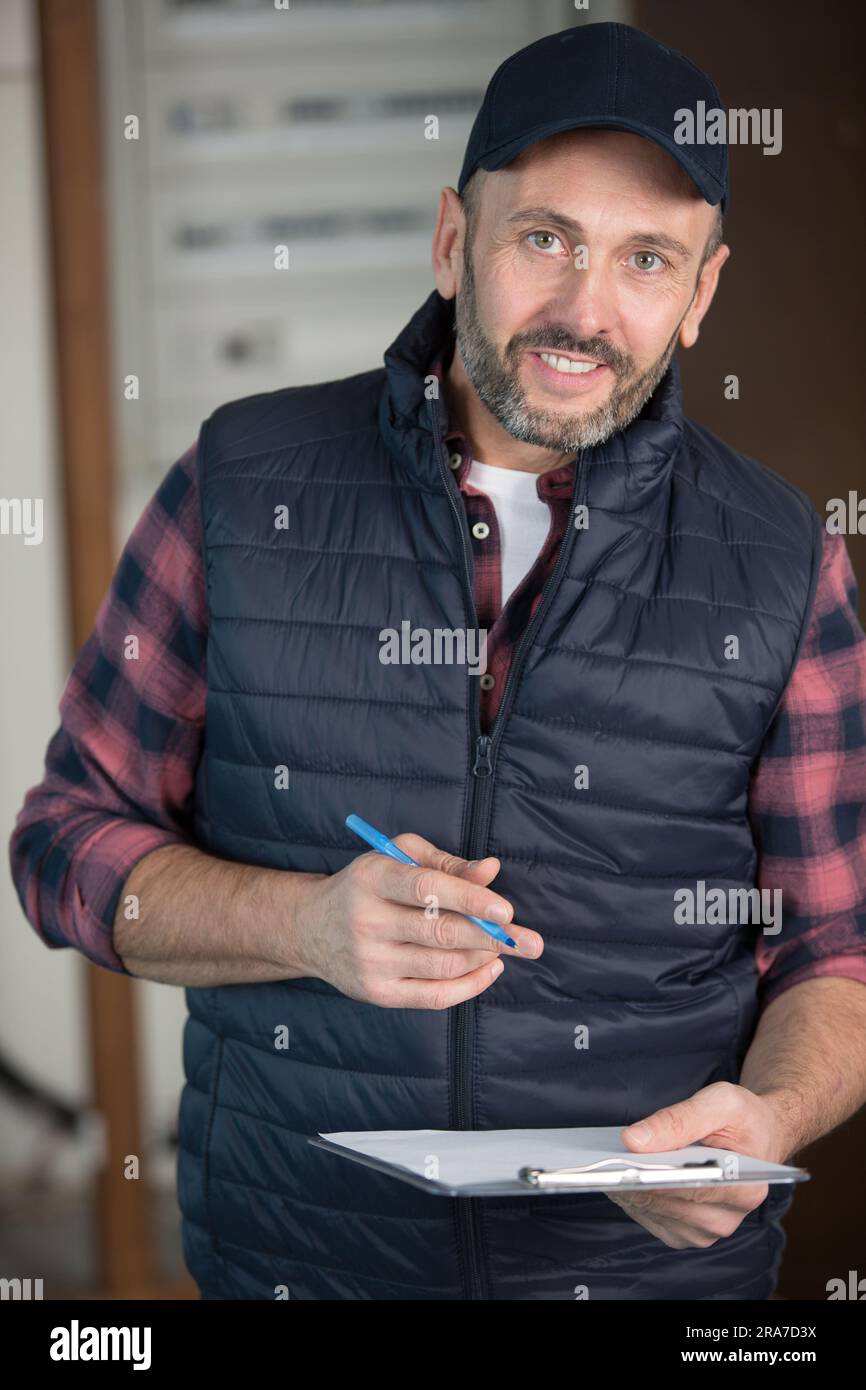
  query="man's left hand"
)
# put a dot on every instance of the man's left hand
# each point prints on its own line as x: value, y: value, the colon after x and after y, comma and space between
x: 723, y: 1116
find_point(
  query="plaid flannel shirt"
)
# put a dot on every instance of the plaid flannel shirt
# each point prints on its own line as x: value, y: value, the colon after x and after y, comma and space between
x: 120, y: 769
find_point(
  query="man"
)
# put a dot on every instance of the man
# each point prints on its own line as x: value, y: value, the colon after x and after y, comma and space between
x: 672, y: 653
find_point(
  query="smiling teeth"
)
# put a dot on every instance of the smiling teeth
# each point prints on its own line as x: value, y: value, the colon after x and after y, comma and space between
x: 565, y: 364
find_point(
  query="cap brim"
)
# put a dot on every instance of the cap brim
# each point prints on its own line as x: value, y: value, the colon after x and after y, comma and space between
x: 710, y: 187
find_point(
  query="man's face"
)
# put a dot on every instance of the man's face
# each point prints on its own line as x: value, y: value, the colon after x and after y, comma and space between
x: 524, y: 302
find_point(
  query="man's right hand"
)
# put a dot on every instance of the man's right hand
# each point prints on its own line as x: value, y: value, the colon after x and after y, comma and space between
x: 393, y: 935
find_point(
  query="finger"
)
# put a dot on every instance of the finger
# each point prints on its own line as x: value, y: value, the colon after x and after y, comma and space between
x: 679, y: 1235
x: 675, y: 1233
x: 700, y: 1222
x: 482, y: 870
x: 453, y: 866
x: 741, y: 1197
x: 475, y: 870
x: 684, y: 1202
x: 689, y: 1214
x: 434, y: 879
x: 445, y: 994
x: 427, y: 887
x: 431, y: 857
x: 450, y: 931
x: 428, y: 963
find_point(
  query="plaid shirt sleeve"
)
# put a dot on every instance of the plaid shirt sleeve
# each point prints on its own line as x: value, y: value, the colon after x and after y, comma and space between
x: 808, y: 794
x: 120, y: 769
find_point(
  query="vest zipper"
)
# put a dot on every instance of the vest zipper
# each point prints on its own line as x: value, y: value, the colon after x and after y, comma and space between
x: 473, y: 846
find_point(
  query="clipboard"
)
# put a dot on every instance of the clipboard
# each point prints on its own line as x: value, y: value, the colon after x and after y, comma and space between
x: 493, y: 1163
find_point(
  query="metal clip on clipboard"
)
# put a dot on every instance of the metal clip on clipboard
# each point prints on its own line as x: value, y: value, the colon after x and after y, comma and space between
x: 637, y: 1171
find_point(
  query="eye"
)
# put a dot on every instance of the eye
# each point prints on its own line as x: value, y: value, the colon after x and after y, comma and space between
x: 551, y: 238
x: 644, y: 256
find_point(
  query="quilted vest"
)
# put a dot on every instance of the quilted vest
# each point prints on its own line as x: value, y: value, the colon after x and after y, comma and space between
x: 625, y: 670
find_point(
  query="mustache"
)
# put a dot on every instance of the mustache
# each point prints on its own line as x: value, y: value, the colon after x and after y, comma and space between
x: 560, y: 340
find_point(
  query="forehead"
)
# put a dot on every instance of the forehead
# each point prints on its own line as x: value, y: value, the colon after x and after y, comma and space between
x: 578, y: 166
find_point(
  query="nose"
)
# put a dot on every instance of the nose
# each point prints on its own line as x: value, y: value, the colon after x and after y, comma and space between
x: 584, y: 301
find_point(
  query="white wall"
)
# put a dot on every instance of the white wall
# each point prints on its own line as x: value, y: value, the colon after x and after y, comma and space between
x: 41, y: 991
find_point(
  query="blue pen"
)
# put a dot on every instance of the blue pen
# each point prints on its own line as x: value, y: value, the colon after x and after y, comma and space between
x: 376, y: 840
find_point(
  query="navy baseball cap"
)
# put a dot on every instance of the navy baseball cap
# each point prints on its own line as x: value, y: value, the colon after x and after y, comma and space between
x: 608, y: 75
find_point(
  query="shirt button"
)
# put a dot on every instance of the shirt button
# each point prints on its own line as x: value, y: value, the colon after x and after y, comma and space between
x: 481, y: 530
x: 487, y: 682
x: 455, y: 460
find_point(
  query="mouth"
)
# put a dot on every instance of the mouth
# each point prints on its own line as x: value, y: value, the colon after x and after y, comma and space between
x: 568, y: 369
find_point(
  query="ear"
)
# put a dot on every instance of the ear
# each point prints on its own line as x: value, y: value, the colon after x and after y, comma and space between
x: 448, y: 241
x: 703, y: 296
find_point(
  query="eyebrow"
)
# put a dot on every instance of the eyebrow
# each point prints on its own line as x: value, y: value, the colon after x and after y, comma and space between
x: 575, y: 230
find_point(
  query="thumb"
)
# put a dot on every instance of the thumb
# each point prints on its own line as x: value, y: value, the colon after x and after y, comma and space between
x: 672, y: 1127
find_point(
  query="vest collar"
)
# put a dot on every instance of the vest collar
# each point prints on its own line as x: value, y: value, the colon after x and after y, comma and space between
x: 637, y: 458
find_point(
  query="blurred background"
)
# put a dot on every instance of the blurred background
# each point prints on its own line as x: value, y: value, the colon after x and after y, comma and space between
x: 153, y: 154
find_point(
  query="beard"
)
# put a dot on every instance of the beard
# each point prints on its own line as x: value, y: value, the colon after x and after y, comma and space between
x: 496, y: 379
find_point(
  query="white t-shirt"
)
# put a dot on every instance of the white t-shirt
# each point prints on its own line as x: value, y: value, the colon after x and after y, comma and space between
x: 523, y: 518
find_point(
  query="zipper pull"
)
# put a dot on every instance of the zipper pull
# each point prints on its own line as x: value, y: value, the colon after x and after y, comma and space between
x: 482, y: 766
